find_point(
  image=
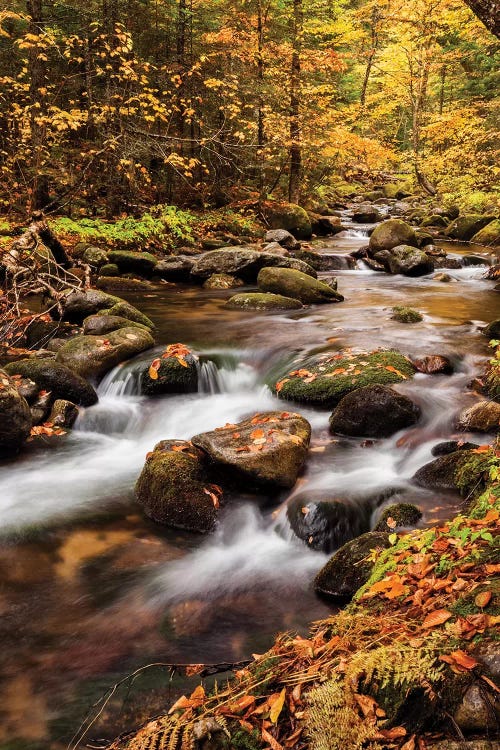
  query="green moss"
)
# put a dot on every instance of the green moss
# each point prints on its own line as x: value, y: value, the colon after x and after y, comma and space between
x: 406, y: 315
x: 329, y: 380
x: 241, y: 739
x: 263, y: 301
x: 466, y: 605
x: 404, y: 514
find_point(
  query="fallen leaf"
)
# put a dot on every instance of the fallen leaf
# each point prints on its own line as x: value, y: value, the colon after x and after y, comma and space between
x: 483, y: 599
x: 274, y: 744
x: 277, y: 706
x: 438, y: 617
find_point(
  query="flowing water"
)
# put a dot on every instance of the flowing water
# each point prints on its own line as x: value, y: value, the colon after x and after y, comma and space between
x: 91, y: 590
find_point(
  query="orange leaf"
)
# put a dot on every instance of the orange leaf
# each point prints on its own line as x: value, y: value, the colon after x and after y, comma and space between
x: 181, y: 361
x: 274, y: 744
x: 194, y: 669
x: 438, y: 617
x: 256, y: 434
x: 277, y: 706
x: 483, y: 599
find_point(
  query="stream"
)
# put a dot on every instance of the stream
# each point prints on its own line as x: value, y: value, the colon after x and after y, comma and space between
x: 91, y: 589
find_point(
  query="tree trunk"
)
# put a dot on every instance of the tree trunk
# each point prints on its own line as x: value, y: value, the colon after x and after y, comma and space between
x: 371, y: 55
x: 295, y: 142
x: 36, y: 72
x: 260, y: 83
x: 488, y: 11
x: 419, y: 94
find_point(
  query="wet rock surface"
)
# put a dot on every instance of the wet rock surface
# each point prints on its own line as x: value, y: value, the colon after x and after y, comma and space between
x: 373, y: 411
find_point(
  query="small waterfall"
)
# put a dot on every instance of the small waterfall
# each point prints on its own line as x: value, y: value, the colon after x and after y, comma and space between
x: 359, y: 234
x: 226, y: 379
x: 123, y: 380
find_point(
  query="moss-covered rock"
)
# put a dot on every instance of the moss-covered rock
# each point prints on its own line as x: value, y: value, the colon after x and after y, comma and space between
x: 95, y: 256
x: 392, y: 233
x: 93, y: 356
x: 174, y: 371
x: 266, y: 451
x: 126, y: 310
x: 434, y: 221
x: 492, y: 330
x: 291, y: 283
x: 373, y: 411
x: 244, y: 262
x: 446, y: 472
x: 15, y: 415
x: 397, y: 516
x: 109, y: 269
x: 262, y: 301
x: 406, y: 314
x: 79, y: 304
x: 350, y: 567
x: 97, y: 325
x: 57, y: 378
x: 63, y: 414
x: 391, y: 190
x: 174, y: 267
x: 406, y: 260
x: 126, y: 260
x: 466, y: 226
x: 481, y: 417
x: 174, y: 488
x: 489, y: 235
x: 366, y: 214
x: 288, y: 216
x: 222, y: 281
x: 122, y: 284
x: 324, y: 522
x: 326, y: 381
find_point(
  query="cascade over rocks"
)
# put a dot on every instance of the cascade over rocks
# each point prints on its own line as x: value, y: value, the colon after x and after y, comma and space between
x: 175, y: 488
x: 391, y: 233
x: 244, y: 262
x: 93, y: 356
x: 295, y: 284
x: 173, y: 371
x: 267, y: 451
x: 15, y: 416
x: 373, y: 411
x: 62, y: 381
x: 406, y: 260
x: 326, y: 381
x: 325, y: 523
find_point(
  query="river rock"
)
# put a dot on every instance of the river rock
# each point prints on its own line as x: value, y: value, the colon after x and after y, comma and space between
x: 289, y: 216
x: 398, y: 516
x: 79, y: 304
x: 325, y: 226
x: 481, y: 417
x: 262, y: 301
x: 444, y: 278
x: 283, y: 238
x: 366, y: 214
x: 122, y: 284
x: 15, y: 415
x: 40, y: 332
x: 174, y: 371
x: 434, y: 364
x: 450, y: 446
x: 391, y: 233
x: 326, y: 381
x: 40, y: 408
x: 141, y: 263
x: 476, y: 712
x: 406, y: 260
x: 222, y: 281
x: 267, y: 451
x: 175, y: 267
x: 175, y: 489
x: 93, y: 356
x: 406, y: 315
x: 489, y: 235
x: 434, y: 221
x: 244, y: 263
x: 276, y: 249
x: 441, y: 474
x: 63, y: 414
x: 325, y: 261
x: 56, y: 377
x: 466, y: 226
x: 325, y: 523
x: 373, y: 411
x: 109, y: 269
x: 95, y: 256
x: 295, y: 284
x: 350, y: 567
x: 125, y: 310
x: 97, y: 325
x: 492, y: 330
x: 26, y: 388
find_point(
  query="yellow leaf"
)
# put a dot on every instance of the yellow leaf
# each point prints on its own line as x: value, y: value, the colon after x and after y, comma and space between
x: 277, y: 706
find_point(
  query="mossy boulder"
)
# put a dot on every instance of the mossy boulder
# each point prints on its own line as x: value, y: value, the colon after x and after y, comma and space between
x: 122, y: 284
x: 244, y: 263
x: 392, y: 233
x: 481, y: 417
x: 97, y: 325
x: 466, y: 226
x: 15, y: 416
x: 445, y: 472
x: 109, y: 269
x: 266, y: 451
x: 492, y: 330
x: 174, y: 488
x: 288, y: 216
x: 489, y: 235
x: 222, y: 281
x: 350, y: 567
x: 125, y: 310
x: 398, y: 516
x: 79, y: 304
x: 406, y: 315
x: 434, y: 221
x: 262, y: 301
x: 326, y: 381
x: 391, y: 190
x: 283, y: 238
x: 174, y: 371
x: 57, y: 378
x: 324, y: 522
x: 93, y: 356
x: 175, y: 267
x: 374, y: 411
x: 126, y: 260
x: 291, y: 283
x: 425, y: 240
x: 406, y: 260
x: 366, y: 214
x: 95, y: 256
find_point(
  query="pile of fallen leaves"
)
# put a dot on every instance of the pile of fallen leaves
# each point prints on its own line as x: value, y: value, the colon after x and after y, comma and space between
x: 418, y: 623
x: 174, y: 351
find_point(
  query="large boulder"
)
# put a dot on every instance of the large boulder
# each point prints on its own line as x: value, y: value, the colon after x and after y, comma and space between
x: 262, y: 301
x: 325, y: 226
x: 466, y: 226
x: 79, y: 304
x: 174, y: 371
x: 93, y: 356
x: 373, y: 411
x: 266, y: 451
x: 392, y: 233
x: 126, y: 310
x: 325, y: 523
x: 492, y: 330
x: 174, y: 488
x: 283, y: 238
x: 481, y: 417
x: 489, y: 235
x: 97, y: 325
x: 288, y: 216
x: 57, y: 378
x: 295, y: 284
x: 15, y: 416
x: 243, y: 262
x: 326, y: 381
x: 366, y: 214
x: 175, y: 267
x: 141, y: 263
x: 325, y: 261
x: 443, y: 472
x: 406, y: 260
x: 351, y: 566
